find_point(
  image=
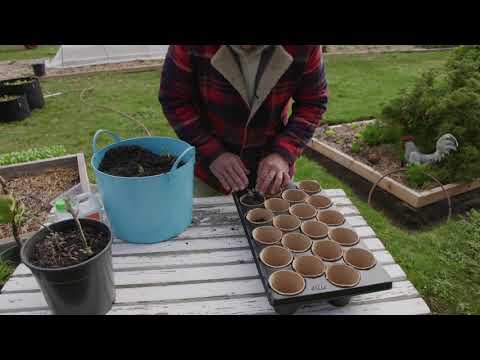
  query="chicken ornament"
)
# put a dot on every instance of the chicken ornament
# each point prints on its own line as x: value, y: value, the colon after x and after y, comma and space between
x: 445, y: 145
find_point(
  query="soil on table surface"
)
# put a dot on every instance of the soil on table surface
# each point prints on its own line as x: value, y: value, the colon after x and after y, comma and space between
x: 382, y: 158
x: 135, y: 161
x: 36, y: 193
x: 64, y: 249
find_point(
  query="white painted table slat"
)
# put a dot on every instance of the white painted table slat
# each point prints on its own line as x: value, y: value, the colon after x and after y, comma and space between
x: 209, y: 269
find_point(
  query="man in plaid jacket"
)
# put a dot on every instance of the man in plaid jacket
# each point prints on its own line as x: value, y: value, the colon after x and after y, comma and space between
x: 232, y: 103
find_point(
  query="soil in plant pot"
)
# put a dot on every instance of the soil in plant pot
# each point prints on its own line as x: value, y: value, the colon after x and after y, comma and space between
x: 135, y: 161
x: 36, y: 192
x: 17, y: 82
x: 382, y: 158
x: 65, y: 249
x: 255, y: 200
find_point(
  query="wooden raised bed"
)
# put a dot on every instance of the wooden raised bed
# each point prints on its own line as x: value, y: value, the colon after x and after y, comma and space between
x: 431, y: 204
x: 76, y: 161
x: 35, y: 168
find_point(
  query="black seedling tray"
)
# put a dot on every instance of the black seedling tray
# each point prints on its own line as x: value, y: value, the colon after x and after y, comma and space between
x: 317, y: 290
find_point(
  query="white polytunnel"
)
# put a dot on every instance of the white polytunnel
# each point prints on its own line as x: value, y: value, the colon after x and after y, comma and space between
x: 69, y: 56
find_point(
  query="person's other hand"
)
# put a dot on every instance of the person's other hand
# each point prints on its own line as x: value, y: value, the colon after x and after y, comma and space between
x: 273, y: 174
x: 228, y: 168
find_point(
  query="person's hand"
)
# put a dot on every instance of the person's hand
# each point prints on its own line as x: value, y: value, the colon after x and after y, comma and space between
x: 273, y: 174
x: 228, y: 168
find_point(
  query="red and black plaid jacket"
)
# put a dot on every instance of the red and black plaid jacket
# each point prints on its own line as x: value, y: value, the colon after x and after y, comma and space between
x: 203, y: 99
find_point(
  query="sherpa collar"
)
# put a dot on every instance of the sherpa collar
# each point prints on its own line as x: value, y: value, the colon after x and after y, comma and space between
x: 225, y: 63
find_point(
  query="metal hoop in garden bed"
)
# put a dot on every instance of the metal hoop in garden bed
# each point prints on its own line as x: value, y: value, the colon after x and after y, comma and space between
x: 447, y: 196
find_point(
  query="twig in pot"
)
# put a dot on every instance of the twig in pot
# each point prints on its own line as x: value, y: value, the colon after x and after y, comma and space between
x: 74, y: 212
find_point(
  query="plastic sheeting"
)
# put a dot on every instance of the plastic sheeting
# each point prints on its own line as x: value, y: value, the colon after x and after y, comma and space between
x: 69, y: 56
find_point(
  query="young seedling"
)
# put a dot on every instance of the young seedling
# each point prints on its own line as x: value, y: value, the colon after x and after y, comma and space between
x: 330, y: 133
x: 356, y: 148
x: 74, y: 212
x: 13, y: 212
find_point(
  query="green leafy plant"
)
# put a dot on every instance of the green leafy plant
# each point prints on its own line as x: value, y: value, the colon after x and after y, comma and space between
x: 416, y: 175
x: 6, y: 269
x: 372, y: 134
x: 330, y: 132
x: 380, y: 133
x: 32, y: 155
x: 11, y: 211
x: 356, y: 148
x: 14, y: 212
x: 445, y: 100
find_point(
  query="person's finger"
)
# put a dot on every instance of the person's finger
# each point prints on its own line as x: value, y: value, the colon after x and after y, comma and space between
x: 223, y: 181
x: 286, y: 180
x: 266, y: 181
x: 277, y: 182
x: 244, y: 167
x: 233, y: 178
x: 261, y: 175
x: 241, y: 174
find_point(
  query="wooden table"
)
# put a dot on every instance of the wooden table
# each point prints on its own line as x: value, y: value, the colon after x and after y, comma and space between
x: 209, y: 269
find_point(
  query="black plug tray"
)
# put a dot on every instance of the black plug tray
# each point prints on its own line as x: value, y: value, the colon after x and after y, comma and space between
x: 317, y: 289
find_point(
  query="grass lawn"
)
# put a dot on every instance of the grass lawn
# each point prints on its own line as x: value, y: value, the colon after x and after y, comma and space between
x: 360, y: 85
x: 443, y: 263
x: 18, y: 52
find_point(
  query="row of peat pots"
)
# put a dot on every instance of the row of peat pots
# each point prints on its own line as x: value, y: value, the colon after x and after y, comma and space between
x: 19, y: 97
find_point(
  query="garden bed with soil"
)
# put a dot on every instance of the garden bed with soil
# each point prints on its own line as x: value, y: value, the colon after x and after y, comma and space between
x: 36, y: 184
x: 382, y: 158
x: 413, y: 209
x: 36, y: 193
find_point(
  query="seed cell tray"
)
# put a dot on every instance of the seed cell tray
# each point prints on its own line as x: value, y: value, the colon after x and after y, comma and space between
x: 318, y: 289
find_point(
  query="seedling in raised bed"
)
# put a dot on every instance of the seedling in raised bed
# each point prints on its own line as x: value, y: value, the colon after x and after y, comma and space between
x: 13, y: 212
x: 356, y: 148
x: 330, y: 133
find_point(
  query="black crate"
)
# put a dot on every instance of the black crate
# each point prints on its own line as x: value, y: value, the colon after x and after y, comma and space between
x: 317, y: 290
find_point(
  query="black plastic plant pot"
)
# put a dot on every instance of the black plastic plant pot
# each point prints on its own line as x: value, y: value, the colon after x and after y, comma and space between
x: 15, y: 109
x: 31, y: 89
x: 83, y: 289
x: 39, y: 69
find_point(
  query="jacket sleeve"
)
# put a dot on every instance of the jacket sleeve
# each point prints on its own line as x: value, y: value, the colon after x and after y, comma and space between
x: 310, y: 104
x: 179, y: 101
